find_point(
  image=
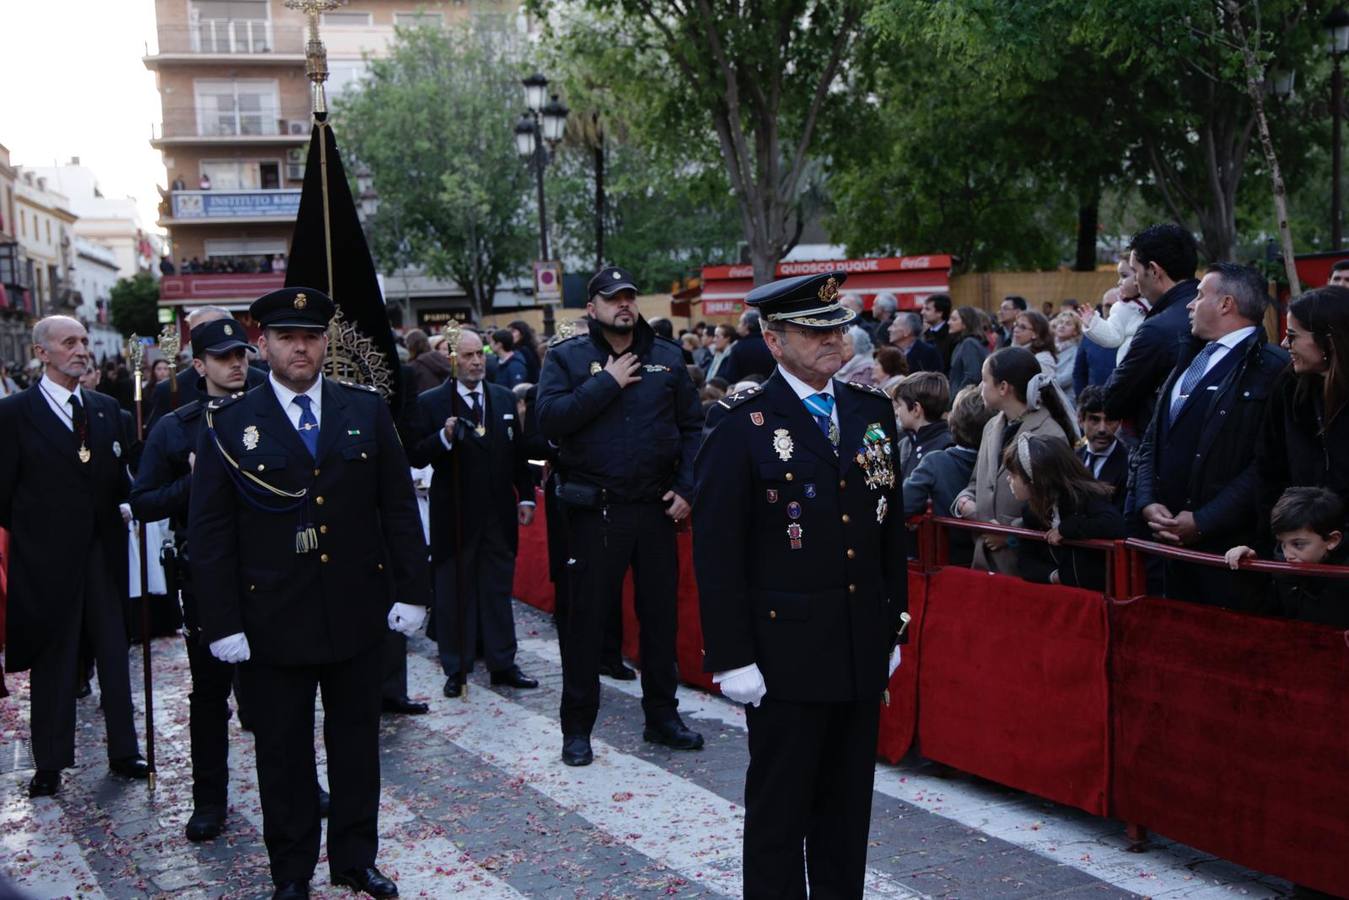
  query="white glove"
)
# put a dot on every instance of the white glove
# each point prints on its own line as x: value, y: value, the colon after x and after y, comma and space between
x: 743, y: 685
x: 232, y: 649
x: 406, y: 619
x: 894, y: 660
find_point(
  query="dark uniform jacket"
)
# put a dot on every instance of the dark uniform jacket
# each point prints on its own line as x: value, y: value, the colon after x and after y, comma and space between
x: 331, y: 603
x: 637, y: 442
x: 820, y: 620
x: 1216, y: 476
x: 55, y: 508
x: 190, y: 389
x: 493, y: 470
x: 164, y: 477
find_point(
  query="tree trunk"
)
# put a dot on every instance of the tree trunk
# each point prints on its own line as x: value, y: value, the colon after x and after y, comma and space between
x: 1088, y: 217
x: 599, y: 197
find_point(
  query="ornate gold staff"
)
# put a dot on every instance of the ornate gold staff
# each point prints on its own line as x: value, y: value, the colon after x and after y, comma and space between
x: 454, y: 333
x: 170, y: 343
x: 135, y: 350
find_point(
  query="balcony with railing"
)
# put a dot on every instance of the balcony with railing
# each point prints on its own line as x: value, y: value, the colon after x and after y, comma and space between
x: 244, y: 41
x: 262, y: 124
x: 232, y: 206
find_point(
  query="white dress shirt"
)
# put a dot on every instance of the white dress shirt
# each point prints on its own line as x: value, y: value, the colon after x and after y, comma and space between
x: 58, y: 398
x: 286, y: 397
x: 804, y: 390
x: 1096, y: 461
x: 1225, y: 343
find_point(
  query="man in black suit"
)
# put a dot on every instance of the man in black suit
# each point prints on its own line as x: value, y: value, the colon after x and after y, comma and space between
x: 1012, y: 306
x: 1197, y: 482
x: 467, y: 430
x: 799, y: 548
x: 63, y: 486
x: 306, y: 545
x: 159, y: 402
x: 1103, y: 451
x: 936, y: 312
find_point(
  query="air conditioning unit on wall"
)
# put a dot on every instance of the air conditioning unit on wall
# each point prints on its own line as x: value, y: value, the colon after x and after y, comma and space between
x: 295, y: 164
x: 297, y: 126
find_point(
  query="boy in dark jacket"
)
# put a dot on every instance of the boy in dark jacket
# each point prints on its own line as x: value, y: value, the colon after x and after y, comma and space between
x: 942, y: 474
x: 920, y: 401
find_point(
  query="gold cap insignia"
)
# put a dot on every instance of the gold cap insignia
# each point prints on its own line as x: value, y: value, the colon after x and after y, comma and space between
x: 228, y: 329
x: 301, y: 301
x: 829, y: 291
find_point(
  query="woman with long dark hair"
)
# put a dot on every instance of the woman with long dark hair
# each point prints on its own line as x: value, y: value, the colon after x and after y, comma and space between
x: 527, y: 345
x: 1026, y: 401
x: 1306, y: 433
x: 967, y: 325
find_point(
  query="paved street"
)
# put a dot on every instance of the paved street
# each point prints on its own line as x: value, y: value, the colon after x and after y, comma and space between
x: 476, y: 803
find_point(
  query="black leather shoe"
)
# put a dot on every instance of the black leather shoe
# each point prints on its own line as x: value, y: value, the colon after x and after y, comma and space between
x: 454, y: 686
x: 130, y: 767
x: 206, y: 824
x: 513, y: 677
x: 291, y: 890
x: 404, y: 707
x: 325, y: 801
x: 674, y: 734
x: 576, y: 750
x: 618, y: 671
x: 45, y: 783
x: 368, y: 880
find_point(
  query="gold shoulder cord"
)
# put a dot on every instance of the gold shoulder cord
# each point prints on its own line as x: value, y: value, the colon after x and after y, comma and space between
x: 276, y: 491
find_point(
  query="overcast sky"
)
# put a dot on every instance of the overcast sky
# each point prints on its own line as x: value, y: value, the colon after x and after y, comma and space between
x: 75, y: 85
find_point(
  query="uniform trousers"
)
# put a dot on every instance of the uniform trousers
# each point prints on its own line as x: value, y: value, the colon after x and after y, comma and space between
x: 603, y: 545
x: 208, y: 713
x: 96, y: 616
x: 489, y: 575
x: 811, y: 772
x: 395, y: 667
x: 281, y: 709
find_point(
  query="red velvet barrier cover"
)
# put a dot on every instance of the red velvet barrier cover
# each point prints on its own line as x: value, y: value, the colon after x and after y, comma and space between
x: 689, y: 638
x: 899, y: 720
x: 1231, y: 733
x: 532, y: 584
x: 1012, y: 684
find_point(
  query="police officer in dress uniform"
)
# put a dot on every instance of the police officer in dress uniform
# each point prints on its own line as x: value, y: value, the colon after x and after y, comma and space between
x: 163, y: 482
x: 799, y: 547
x: 623, y: 412
x: 291, y: 483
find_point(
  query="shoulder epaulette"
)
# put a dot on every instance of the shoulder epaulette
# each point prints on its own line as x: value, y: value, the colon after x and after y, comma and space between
x: 868, y: 389
x: 733, y: 400
x: 558, y: 340
x: 219, y: 403
x: 358, y: 387
x: 189, y: 409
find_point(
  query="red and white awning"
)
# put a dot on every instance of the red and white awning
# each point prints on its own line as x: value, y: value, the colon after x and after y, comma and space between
x: 911, y: 279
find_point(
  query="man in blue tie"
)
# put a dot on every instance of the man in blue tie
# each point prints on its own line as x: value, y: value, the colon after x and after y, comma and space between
x: 306, y: 545
x: 1197, y: 484
x: 799, y: 549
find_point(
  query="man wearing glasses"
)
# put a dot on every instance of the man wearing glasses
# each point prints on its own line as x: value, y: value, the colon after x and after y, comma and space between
x: 799, y: 548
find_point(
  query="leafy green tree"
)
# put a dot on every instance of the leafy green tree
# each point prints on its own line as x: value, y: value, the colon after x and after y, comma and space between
x: 434, y: 123
x: 135, y: 305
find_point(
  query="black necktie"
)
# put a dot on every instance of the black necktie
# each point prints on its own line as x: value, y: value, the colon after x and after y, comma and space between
x: 78, y: 420
x: 477, y: 408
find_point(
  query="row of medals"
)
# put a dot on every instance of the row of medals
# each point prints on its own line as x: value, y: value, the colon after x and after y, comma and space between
x: 875, y: 459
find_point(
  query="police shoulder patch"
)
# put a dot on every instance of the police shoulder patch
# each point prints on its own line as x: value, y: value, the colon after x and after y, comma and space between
x: 867, y: 389
x: 733, y: 400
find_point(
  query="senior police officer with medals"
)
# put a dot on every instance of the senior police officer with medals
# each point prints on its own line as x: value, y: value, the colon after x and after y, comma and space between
x: 306, y: 544
x: 220, y: 359
x: 799, y: 549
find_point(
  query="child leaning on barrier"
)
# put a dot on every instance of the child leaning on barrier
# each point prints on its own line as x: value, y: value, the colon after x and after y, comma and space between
x: 1308, y: 527
x: 1063, y: 499
x: 942, y: 474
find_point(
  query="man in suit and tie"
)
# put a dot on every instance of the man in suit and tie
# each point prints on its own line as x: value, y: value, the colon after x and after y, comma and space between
x: 1197, y: 482
x: 799, y: 548
x: 63, y: 484
x: 306, y: 545
x: 1103, y: 451
x: 468, y: 431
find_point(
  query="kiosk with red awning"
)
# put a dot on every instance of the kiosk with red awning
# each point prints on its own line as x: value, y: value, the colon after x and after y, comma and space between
x: 910, y: 279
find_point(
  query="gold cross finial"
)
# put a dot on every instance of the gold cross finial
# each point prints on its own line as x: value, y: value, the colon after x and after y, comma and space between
x: 316, y: 55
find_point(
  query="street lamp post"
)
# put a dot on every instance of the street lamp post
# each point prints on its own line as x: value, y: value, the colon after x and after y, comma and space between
x: 537, y: 134
x: 1337, y: 28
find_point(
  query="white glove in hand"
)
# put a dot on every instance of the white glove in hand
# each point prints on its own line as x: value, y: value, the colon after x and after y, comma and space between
x: 232, y: 649
x: 406, y: 619
x: 894, y: 660
x: 743, y: 685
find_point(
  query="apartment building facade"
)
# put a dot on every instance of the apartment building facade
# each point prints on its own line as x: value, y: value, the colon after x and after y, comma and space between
x: 236, y: 124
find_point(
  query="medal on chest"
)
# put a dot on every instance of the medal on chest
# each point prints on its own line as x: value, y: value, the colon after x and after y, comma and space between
x: 876, y: 458
x: 782, y: 443
x: 84, y: 453
x: 794, y: 532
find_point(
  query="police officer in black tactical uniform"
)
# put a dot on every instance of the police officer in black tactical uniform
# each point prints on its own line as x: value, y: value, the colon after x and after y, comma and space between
x: 306, y: 541
x: 799, y: 546
x: 624, y: 414
x: 220, y: 359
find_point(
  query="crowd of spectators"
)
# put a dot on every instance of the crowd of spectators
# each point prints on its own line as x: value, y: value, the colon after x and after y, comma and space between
x: 225, y: 265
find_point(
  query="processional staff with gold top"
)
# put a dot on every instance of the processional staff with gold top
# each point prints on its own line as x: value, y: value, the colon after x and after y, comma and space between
x: 136, y: 353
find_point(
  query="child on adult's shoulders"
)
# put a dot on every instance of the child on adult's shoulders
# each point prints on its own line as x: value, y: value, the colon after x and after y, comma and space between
x: 1065, y: 501
x: 1308, y: 527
